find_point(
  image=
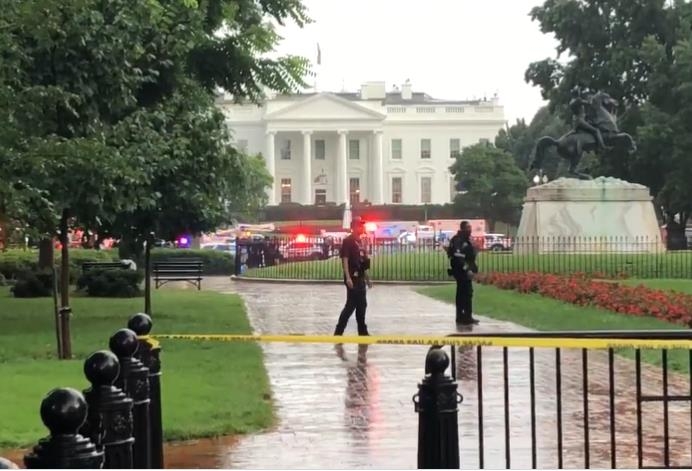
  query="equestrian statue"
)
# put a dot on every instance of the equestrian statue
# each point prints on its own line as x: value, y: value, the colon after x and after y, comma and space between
x: 595, y: 130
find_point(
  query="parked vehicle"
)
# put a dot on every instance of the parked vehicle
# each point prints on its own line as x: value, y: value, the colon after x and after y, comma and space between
x: 443, y: 237
x: 305, y: 249
x: 425, y: 233
x: 407, y: 238
x: 497, y: 242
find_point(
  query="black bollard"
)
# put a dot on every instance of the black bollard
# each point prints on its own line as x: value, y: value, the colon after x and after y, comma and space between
x: 437, y: 405
x: 149, y: 353
x: 63, y: 411
x: 134, y: 380
x: 109, y: 422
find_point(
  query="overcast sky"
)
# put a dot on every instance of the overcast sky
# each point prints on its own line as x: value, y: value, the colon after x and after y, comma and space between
x: 454, y: 49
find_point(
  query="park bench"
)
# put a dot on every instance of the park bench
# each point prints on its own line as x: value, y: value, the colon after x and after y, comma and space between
x: 180, y: 269
x: 86, y: 266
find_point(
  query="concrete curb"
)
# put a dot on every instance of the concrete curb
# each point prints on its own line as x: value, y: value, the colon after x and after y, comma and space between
x: 287, y: 281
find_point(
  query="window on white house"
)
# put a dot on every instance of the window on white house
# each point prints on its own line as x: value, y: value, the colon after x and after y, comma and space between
x: 425, y: 148
x: 354, y: 190
x: 454, y: 148
x: 397, y: 186
x: 354, y: 149
x: 242, y: 145
x: 484, y: 141
x: 285, y: 190
x: 320, y: 196
x: 286, y: 150
x: 426, y: 190
x: 319, y: 149
x: 396, y: 149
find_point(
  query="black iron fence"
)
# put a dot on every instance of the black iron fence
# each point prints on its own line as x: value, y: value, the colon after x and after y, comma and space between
x: 114, y: 424
x: 556, y: 399
x: 402, y: 259
x: 565, y: 407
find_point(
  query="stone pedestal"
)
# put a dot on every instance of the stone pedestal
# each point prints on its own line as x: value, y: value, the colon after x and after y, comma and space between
x: 590, y: 216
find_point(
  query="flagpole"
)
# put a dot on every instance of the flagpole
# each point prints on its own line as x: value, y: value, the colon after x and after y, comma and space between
x: 318, y: 66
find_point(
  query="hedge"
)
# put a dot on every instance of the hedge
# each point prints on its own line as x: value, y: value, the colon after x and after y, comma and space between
x: 215, y: 261
x: 111, y: 283
x: 14, y: 262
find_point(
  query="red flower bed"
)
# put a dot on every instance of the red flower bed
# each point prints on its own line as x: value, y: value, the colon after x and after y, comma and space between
x: 583, y: 291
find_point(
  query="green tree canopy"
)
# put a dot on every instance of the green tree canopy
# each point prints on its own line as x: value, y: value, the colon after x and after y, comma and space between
x: 639, y: 52
x: 111, y: 112
x: 491, y: 184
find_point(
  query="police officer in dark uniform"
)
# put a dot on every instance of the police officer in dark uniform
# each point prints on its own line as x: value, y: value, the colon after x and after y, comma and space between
x: 355, y: 264
x: 462, y: 259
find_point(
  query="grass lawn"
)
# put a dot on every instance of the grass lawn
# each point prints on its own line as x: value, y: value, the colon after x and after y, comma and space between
x: 540, y: 313
x: 208, y: 388
x: 419, y: 265
x: 680, y: 285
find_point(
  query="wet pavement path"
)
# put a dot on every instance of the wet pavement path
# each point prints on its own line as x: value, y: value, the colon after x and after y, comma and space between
x: 352, y: 408
x: 347, y: 408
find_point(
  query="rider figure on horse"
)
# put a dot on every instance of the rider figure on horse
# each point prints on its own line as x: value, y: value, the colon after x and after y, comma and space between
x: 580, y: 102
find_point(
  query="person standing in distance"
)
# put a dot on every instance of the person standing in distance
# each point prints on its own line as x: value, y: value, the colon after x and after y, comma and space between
x: 462, y: 259
x: 355, y: 264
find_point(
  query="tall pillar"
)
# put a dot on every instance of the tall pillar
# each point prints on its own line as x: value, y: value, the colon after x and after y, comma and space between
x: 270, y: 161
x: 342, y: 172
x: 307, y: 163
x: 378, y: 177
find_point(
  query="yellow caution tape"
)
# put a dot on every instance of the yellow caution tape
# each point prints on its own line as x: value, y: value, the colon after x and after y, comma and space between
x: 462, y: 341
x: 153, y: 343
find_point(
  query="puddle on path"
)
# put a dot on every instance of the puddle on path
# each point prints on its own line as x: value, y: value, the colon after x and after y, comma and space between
x: 203, y: 453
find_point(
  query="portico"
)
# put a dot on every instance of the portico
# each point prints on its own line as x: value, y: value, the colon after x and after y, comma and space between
x: 339, y: 148
x: 334, y: 166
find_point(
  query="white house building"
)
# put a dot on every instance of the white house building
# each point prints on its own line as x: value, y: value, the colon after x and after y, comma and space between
x: 384, y: 147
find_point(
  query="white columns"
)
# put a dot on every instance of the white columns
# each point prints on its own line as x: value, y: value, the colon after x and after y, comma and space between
x: 377, y: 177
x: 307, y: 163
x: 270, y: 161
x: 341, y: 186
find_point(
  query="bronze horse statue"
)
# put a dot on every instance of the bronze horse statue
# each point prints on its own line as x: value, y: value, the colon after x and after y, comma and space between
x: 573, y: 144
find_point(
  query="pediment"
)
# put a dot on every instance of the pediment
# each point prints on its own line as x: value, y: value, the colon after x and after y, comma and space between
x: 325, y: 106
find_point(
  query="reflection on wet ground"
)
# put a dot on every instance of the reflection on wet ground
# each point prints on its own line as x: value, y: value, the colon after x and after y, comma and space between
x: 351, y: 406
x: 348, y: 409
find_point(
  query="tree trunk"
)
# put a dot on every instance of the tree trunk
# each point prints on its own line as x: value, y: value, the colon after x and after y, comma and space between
x: 56, y: 313
x: 3, y: 237
x: 46, y: 253
x: 147, y: 276
x: 46, y: 261
x: 65, y: 285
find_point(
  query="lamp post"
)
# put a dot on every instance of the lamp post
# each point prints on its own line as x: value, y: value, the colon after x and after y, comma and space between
x: 540, y: 178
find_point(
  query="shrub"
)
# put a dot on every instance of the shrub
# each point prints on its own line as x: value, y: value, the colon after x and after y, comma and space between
x: 33, y: 284
x: 113, y: 283
x: 15, y: 262
x: 215, y: 262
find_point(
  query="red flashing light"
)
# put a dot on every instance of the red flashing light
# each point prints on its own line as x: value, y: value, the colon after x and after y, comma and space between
x: 300, y: 238
x: 370, y: 227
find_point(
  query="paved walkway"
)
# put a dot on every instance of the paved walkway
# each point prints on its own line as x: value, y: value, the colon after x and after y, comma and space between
x: 352, y: 408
